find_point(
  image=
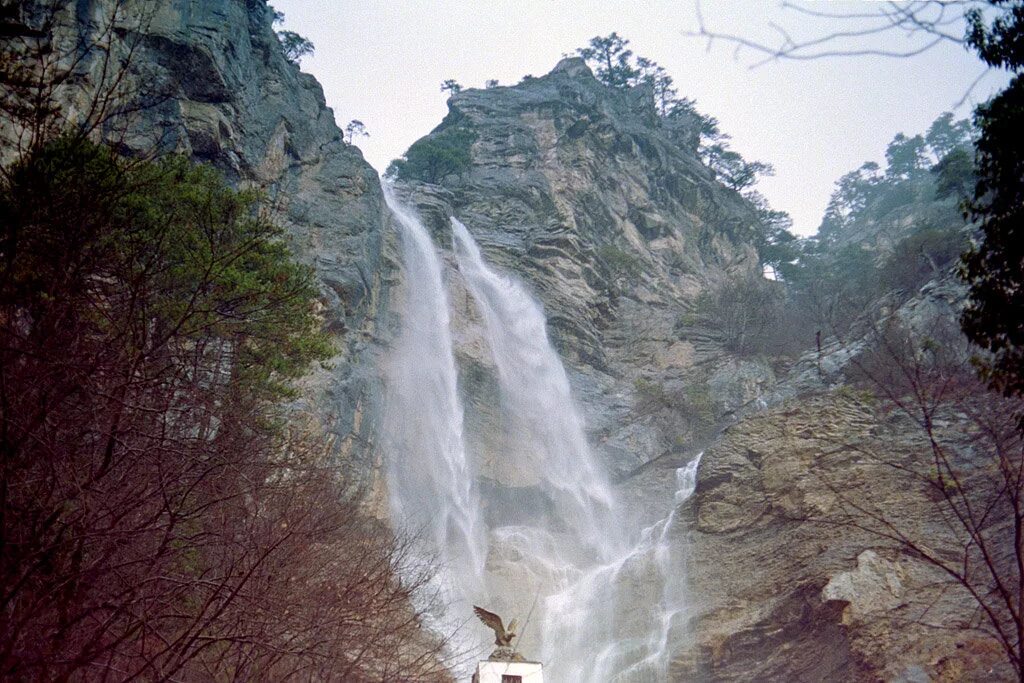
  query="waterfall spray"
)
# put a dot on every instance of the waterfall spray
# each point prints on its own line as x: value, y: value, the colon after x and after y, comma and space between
x: 432, y: 484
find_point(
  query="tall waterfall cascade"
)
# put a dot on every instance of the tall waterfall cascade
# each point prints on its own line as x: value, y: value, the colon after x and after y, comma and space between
x: 603, y: 599
x: 431, y: 483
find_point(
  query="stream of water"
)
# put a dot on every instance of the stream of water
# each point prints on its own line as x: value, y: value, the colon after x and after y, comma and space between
x: 607, y: 598
x: 431, y: 481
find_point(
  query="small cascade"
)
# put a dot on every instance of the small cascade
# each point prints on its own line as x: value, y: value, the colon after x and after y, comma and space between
x: 431, y: 482
x: 620, y: 617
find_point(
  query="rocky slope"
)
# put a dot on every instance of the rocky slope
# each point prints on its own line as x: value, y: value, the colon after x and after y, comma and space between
x: 788, y: 597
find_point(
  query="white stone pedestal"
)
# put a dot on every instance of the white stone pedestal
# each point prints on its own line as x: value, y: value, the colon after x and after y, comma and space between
x: 509, y: 672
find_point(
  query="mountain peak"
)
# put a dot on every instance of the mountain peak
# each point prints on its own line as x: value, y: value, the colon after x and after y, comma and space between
x: 573, y: 66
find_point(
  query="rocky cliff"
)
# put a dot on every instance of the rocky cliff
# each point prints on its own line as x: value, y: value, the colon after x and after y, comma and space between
x: 619, y: 229
x: 209, y: 79
x: 621, y: 232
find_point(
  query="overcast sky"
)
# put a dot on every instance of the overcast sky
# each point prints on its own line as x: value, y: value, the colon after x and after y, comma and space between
x: 382, y: 62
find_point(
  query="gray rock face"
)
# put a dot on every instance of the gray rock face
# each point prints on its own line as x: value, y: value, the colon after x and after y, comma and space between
x: 214, y: 84
x: 618, y: 229
x: 779, y: 594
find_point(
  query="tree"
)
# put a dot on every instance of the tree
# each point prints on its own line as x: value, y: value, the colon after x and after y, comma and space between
x: 954, y: 175
x: 157, y: 521
x: 163, y: 514
x: 746, y: 311
x: 854, y: 191
x: 905, y: 157
x: 353, y: 129
x: 610, y: 59
x: 994, y: 267
x: 452, y: 86
x: 946, y: 135
x: 698, y: 131
x: 732, y: 169
x: 776, y: 245
x: 920, y: 380
x: 491, y: 83
x: 435, y: 157
x: 654, y: 75
x: 295, y: 46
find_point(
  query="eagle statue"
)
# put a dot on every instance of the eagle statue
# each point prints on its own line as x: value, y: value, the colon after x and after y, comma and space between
x: 502, y: 636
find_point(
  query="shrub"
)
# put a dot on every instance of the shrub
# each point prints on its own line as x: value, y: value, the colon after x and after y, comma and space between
x: 435, y: 157
x: 620, y: 261
x: 751, y: 316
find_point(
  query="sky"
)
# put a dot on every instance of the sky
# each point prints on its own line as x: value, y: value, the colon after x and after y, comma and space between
x: 382, y: 62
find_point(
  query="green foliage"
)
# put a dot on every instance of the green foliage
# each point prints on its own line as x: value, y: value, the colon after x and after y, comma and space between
x: 994, y: 269
x: 898, y: 195
x: 731, y: 168
x: 945, y: 135
x: 616, y: 66
x: 905, y: 157
x: 650, y: 72
x: 776, y: 245
x: 833, y: 278
x: 954, y: 175
x: 157, y: 255
x: 999, y: 43
x: 452, y: 86
x: 620, y: 261
x: 355, y: 129
x: 610, y: 59
x: 868, y: 193
x: 435, y: 157
x: 694, y: 130
x: 854, y: 192
x: 295, y: 46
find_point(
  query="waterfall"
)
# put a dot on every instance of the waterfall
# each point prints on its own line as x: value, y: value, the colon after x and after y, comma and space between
x: 548, y: 438
x: 619, y: 618
x: 431, y: 482
x: 609, y: 598
x: 611, y: 606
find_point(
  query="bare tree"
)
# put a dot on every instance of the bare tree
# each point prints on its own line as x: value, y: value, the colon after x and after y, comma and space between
x: 154, y: 521
x: 922, y: 25
x: 956, y: 451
